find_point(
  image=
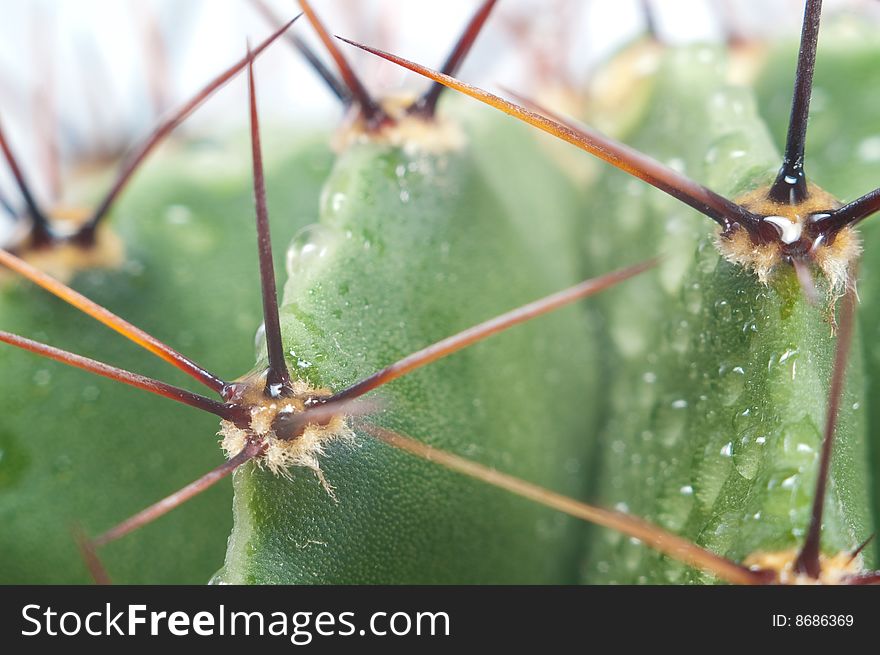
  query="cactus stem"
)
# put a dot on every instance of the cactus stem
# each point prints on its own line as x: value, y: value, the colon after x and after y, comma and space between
x: 808, y: 558
x: 791, y: 184
x: 41, y: 234
x: 654, y: 536
x: 86, y: 234
x: 121, y: 375
x: 476, y: 333
x: 723, y: 211
x: 427, y: 105
x: 156, y: 510
x: 373, y: 114
x: 111, y: 320
x: 333, y: 83
x: 278, y: 377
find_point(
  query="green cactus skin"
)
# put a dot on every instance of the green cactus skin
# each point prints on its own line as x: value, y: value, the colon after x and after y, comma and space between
x: 843, y: 157
x: 67, y: 438
x: 719, y: 383
x: 419, y: 246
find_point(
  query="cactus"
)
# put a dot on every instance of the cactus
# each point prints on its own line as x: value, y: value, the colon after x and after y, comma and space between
x: 402, y: 200
x: 173, y: 237
x: 843, y: 140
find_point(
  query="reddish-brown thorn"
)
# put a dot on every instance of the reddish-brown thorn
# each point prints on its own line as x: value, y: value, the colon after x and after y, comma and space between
x: 535, y: 106
x: 850, y: 214
x: 731, y: 24
x: 137, y: 157
x: 90, y: 557
x: 252, y: 449
x: 229, y: 412
x: 808, y: 559
x: 864, y: 579
x: 427, y: 104
x: 726, y: 213
x: 45, y: 101
x: 277, y: 377
x: 653, y: 536
x: 333, y: 83
x: 790, y: 186
x: 486, y: 329
x: 373, y: 114
x: 650, y: 18
x: 751, y: 222
x: 861, y: 547
x: 155, y: 55
x: 290, y: 426
x: 42, y: 233
x: 94, y: 81
x: 111, y: 320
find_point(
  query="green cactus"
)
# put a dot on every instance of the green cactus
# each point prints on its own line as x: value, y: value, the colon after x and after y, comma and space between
x: 173, y: 240
x: 715, y: 432
x: 844, y: 139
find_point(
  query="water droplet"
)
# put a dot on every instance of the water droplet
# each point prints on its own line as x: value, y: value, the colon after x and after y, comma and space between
x: 727, y: 449
x: 748, y: 455
x: 337, y: 202
x: 134, y: 267
x: 309, y: 245
x: 42, y: 377
x: 178, y: 215
x: 693, y: 298
x: 686, y: 490
x: 677, y: 164
x: 679, y: 404
x: 260, y: 341
x: 790, y: 353
x: 789, y: 482
x: 731, y: 384
x: 62, y: 465
x: 671, y: 424
x: 217, y: 578
x: 868, y: 149
x: 90, y: 393
x: 723, y: 310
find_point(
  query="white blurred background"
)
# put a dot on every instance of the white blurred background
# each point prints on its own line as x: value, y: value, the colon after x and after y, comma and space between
x: 86, y: 78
